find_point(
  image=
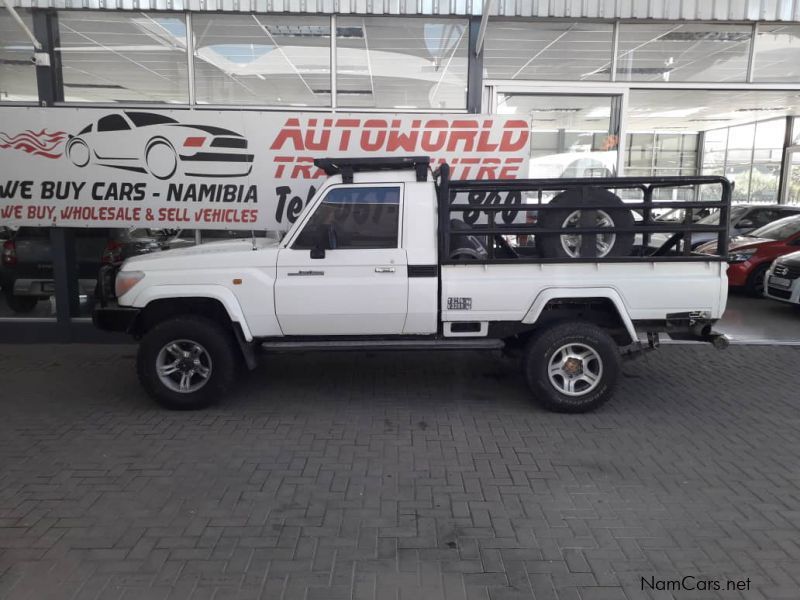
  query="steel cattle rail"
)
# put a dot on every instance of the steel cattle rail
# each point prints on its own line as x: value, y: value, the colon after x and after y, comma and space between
x: 448, y: 190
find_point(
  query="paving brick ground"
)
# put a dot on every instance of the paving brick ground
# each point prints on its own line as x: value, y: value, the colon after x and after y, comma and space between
x: 398, y: 476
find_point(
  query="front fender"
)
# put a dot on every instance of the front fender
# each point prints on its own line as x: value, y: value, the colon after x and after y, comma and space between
x: 565, y: 293
x: 216, y: 292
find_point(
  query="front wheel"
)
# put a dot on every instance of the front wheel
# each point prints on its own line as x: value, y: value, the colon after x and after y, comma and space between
x: 755, y: 283
x: 572, y: 367
x: 187, y: 363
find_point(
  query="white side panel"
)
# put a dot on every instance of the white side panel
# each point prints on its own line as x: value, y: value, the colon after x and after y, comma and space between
x: 647, y: 290
x: 420, y: 223
x: 419, y: 241
x: 203, y: 273
x: 349, y: 292
x: 422, y: 306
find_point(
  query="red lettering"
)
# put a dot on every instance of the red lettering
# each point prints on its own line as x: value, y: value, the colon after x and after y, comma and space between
x: 507, y: 141
x: 373, y: 144
x: 324, y: 137
x: 483, y: 138
x: 290, y: 133
x: 439, y: 128
x: 344, y: 142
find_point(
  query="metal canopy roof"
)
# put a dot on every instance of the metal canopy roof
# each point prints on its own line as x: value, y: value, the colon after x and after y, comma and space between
x: 692, y: 10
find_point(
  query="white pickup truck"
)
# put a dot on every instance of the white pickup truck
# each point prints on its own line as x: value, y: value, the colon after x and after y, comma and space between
x: 390, y: 255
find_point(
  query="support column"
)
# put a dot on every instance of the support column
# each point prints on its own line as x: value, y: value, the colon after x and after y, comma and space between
x: 474, y: 68
x: 48, y: 78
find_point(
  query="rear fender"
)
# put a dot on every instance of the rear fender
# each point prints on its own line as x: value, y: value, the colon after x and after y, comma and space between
x: 550, y: 294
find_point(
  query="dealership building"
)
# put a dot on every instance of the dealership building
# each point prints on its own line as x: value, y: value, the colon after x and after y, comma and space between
x: 628, y: 87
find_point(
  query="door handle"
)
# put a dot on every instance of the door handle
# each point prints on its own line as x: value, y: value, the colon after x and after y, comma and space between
x: 305, y: 273
x: 384, y: 269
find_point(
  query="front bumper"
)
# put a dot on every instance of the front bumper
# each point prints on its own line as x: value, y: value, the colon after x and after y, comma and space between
x: 738, y: 273
x: 115, y: 318
x: 789, y: 294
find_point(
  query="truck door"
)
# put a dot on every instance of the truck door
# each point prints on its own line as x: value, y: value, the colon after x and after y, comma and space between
x: 344, y: 272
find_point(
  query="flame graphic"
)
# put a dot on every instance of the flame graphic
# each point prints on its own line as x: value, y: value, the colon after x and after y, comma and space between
x: 39, y: 143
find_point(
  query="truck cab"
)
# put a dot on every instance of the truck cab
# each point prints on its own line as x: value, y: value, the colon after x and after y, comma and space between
x: 391, y: 255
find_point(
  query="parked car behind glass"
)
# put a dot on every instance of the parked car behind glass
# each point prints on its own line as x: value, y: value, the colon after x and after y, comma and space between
x: 27, y: 260
x: 783, y: 279
x: 751, y: 255
x: 744, y: 219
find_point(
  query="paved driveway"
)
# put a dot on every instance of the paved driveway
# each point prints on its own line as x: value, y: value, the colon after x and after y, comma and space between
x: 399, y: 476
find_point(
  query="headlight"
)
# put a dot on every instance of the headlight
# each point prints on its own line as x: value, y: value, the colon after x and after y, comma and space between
x: 125, y: 281
x: 740, y: 256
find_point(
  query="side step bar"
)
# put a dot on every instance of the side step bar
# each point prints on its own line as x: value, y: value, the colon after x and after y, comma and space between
x: 460, y: 344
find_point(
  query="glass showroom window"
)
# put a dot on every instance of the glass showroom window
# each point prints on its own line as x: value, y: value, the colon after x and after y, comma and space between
x: 683, y: 52
x: 777, y: 54
x: 554, y: 51
x: 123, y: 57
x: 263, y: 60
x: 17, y: 74
x: 405, y: 63
x: 749, y: 155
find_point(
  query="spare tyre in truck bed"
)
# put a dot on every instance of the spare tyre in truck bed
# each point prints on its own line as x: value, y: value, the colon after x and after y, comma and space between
x: 569, y: 246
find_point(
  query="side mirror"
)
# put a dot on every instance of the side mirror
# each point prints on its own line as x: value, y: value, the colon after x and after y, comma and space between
x: 745, y: 224
x: 326, y: 241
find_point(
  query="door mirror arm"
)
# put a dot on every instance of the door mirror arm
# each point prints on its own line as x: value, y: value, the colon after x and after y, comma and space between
x: 326, y: 241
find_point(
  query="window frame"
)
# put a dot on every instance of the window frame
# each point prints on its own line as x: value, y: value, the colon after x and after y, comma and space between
x: 301, y: 225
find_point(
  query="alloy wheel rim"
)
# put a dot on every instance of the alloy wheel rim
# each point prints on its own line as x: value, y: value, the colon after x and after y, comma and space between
x: 575, y: 369
x: 572, y: 243
x: 183, y: 366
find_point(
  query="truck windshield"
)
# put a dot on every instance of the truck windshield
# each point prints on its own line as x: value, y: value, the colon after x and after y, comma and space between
x: 737, y: 212
x: 778, y: 230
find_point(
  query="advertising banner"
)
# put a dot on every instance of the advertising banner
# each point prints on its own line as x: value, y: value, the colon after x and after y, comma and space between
x: 91, y: 167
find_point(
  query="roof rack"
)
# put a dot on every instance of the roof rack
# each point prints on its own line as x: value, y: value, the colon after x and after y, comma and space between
x: 347, y: 166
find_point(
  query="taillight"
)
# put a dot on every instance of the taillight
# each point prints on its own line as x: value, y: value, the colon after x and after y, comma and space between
x: 9, y: 253
x: 112, y: 252
x: 194, y: 142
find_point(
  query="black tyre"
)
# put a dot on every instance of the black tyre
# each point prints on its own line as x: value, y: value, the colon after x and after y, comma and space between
x: 569, y: 246
x: 755, y: 283
x: 187, y: 363
x: 572, y: 367
x: 161, y: 159
x: 21, y: 304
x: 78, y: 152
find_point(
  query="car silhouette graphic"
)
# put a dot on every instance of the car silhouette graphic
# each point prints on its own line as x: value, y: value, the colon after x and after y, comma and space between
x: 144, y: 142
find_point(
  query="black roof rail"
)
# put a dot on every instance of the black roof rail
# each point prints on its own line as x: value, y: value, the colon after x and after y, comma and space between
x: 347, y: 166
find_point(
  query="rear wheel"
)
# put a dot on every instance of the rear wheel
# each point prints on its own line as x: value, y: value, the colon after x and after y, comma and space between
x: 755, y: 283
x: 21, y: 304
x: 572, y: 367
x: 187, y: 363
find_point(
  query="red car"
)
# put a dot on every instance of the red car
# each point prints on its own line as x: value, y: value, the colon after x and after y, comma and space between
x: 750, y: 255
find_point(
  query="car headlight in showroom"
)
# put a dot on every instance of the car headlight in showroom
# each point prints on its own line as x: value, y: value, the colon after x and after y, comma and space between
x: 125, y: 281
x: 739, y: 256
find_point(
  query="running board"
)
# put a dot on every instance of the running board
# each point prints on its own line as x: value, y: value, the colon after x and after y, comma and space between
x: 460, y: 344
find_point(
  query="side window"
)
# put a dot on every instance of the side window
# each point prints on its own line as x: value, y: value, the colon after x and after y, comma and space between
x: 112, y: 123
x: 762, y: 217
x: 363, y: 217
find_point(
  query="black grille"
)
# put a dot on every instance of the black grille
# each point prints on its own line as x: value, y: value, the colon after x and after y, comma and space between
x: 105, y: 283
x: 229, y: 142
x: 786, y: 271
x: 778, y: 293
x: 423, y: 270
